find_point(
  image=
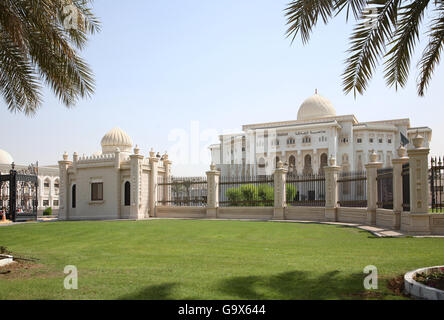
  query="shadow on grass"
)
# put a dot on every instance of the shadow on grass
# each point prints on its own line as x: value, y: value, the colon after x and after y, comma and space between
x: 293, y: 285
x: 298, y: 285
x: 155, y: 292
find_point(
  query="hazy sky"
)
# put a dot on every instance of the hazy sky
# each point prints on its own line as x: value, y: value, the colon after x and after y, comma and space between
x: 165, y: 69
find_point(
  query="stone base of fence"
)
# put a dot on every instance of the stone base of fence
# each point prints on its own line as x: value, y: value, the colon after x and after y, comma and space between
x: 409, y: 223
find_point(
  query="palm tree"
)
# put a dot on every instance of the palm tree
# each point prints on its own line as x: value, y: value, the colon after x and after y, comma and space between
x: 39, y: 40
x: 385, y: 29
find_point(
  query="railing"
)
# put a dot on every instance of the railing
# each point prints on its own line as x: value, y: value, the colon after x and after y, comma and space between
x: 406, y: 187
x: 257, y: 191
x: 306, y: 190
x: 436, y: 184
x: 385, y: 188
x: 182, y: 191
x: 352, y: 189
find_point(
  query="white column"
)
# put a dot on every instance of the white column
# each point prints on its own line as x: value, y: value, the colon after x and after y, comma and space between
x: 212, y: 191
x: 397, y: 186
x: 280, y: 190
x: 153, y: 184
x: 372, y: 187
x: 418, y: 220
x: 64, y: 187
x: 136, y: 184
x: 331, y: 190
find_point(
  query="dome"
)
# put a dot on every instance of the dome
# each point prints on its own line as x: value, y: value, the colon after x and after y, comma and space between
x: 316, y: 107
x: 116, y: 138
x: 5, y: 157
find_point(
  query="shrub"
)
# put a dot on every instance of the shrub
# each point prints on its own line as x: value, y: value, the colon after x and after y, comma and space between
x: 234, y: 195
x: 47, y: 212
x: 249, y: 194
x: 266, y: 193
x: 291, y: 192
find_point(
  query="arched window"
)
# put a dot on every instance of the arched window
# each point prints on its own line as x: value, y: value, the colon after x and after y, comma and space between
x: 276, y: 161
x: 291, y: 140
x: 308, y: 170
x: 292, y: 161
x: 324, y: 163
x: 73, y: 196
x: 306, y: 139
x: 127, y: 193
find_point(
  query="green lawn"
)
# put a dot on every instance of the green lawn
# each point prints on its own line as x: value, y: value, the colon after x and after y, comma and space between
x: 185, y: 259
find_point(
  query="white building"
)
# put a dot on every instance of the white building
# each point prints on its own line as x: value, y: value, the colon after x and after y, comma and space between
x: 48, y: 183
x: 112, y: 184
x: 306, y: 144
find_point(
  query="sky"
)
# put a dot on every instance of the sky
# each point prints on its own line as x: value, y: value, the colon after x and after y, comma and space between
x: 175, y: 74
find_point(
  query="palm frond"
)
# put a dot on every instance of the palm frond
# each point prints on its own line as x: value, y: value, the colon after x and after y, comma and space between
x: 432, y: 53
x: 368, y: 43
x: 403, y: 43
x: 303, y: 15
x: 356, y: 6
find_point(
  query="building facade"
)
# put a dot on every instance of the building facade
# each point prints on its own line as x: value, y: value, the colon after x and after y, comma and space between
x: 115, y: 183
x: 306, y: 144
x: 48, y: 183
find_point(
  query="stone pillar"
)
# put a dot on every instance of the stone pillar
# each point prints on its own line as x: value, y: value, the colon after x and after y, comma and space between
x: 213, y: 191
x: 152, y: 198
x: 419, y: 219
x: 64, y: 188
x: 331, y: 190
x: 397, y: 186
x: 136, y: 160
x: 372, y: 187
x: 280, y: 191
x: 167, y: 176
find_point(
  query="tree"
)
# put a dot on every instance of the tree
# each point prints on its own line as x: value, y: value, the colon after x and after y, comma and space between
x: 39, y: 44
x: 385, y: 29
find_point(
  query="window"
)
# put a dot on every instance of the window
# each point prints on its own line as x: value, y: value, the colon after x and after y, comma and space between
x: 73, y: 197
x: 97, y: 191
x: 389, y: 140
x: 127, y: 193
x: 291, y: 140
x: 46, y: 184
x: 56, y: 185
x: 55, y: 203
x: 46, y: 203
x: 306, y: 140
x: 359, y: 140
x: 380, y: 140
x: 370, y: 140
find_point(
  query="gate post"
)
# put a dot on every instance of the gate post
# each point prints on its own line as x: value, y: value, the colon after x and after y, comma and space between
x: 64, y: 187
x: 167, y: 187
x: 331, y: 190
x: 418, y: 220
x: 372, y: 187
x: 212, y: 191
x: 397, y: 186
x: 152, y: 198
x: 12, y: 193
x: 280, y: 192
x: 136, y: 160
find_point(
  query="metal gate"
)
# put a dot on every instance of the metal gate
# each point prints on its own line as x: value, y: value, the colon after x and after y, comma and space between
x: 18, y: 195
x: 406, y: 187
x: 436, y: 184
x: 385, y: 188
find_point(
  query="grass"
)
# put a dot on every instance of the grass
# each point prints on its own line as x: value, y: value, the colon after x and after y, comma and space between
x: 186, y: 259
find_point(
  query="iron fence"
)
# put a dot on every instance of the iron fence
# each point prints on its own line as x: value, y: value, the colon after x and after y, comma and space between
x: 385, y: 188
x: 406, y: 187
x: 352, y: 189
x: 182, y: 191
x: 436, y: 184
x: 306, y: 190
x: 256, y: 191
